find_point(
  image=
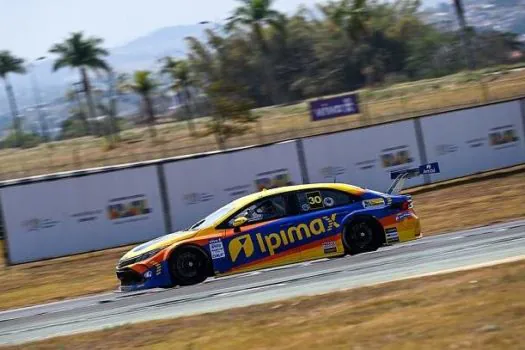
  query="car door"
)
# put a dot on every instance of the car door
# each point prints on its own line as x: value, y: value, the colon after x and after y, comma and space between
x: 320, y: 215
x: 259, y: 243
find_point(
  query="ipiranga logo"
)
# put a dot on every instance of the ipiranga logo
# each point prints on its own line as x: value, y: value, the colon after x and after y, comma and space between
x: 245, y: 245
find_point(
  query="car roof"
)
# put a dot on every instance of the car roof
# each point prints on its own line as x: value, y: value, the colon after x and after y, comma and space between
x: 355, y: 190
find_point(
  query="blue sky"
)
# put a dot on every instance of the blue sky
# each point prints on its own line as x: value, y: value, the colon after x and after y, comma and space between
x: 29, y: 27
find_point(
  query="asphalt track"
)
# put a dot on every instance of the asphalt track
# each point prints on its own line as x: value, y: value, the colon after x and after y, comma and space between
x: 425, y: 256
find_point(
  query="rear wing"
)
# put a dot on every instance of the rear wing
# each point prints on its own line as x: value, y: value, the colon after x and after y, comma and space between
x: 400, y: 177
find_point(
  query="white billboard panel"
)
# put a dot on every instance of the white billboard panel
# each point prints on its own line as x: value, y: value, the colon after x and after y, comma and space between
x: 364, y: 157
x: 75, y: 215
x: 473, y: 140
x: 197, y: 187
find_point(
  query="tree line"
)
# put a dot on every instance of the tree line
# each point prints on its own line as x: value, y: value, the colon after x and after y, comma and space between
x: 260, y: 57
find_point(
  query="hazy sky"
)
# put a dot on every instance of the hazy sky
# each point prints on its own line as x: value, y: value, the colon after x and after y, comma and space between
x: 30, y: 27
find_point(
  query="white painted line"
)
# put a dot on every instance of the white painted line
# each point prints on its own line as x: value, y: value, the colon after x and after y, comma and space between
x: 55, y: 303
x: 447, y: 271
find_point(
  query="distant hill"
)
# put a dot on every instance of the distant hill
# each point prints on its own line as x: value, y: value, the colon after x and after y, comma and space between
x: 141, y: 53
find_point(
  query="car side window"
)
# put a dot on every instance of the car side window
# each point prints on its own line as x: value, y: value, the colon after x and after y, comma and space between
x: 314, y: 200
x: 263, y: 210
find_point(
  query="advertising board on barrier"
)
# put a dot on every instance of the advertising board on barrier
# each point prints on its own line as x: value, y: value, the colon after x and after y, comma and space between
x: 363, y: 157
x: 73, y: 215
x: 473, y: 140
x: 334, y: 107
x: 216, y: 180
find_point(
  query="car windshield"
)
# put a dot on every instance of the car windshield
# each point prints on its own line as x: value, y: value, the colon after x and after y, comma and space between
x: 210, y: 219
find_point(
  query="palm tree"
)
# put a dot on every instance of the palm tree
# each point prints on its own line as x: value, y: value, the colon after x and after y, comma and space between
x: 179, y: 71
x: 349, y: 17
x: 12, y: 64
x: 144, y: 85
x: 465, y: 35
x: 256, y: 14
x: 82, y: 53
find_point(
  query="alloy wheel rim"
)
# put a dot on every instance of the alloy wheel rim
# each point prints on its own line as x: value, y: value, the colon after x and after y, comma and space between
x: 187, y: 265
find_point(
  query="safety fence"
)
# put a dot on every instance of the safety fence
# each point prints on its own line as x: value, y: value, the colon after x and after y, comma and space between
x: 275, y: 124
x: 74, y: 212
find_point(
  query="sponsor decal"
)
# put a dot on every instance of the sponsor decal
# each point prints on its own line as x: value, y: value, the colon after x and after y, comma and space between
x: 315, y: 200
x: 403, y: 216
x: 373, y: 203
x: 329, y: 247
x: 196, y: 198
x: 87, y: 216
x: 432, y: 168
x: 217, y: 249
x: 503, y: 137
x: 334, y: 107
x: 251, y: 245
x: 329, y: 202
x: 392, y: 235
x: 273, y: 179
x: 305, y: 207
x: 238, y: 191
x: 475, y: 143
x: 366, y: 164
x: 132, y: 208
x: 148, y: 274
x: 241, y: 245
x: 445, y: 149
x: 36, y: 224
x: 331, y: 172
x: 396, y: 156
x: 158, y: 269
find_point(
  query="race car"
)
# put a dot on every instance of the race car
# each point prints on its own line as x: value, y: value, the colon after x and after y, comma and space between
x: 276, y: 227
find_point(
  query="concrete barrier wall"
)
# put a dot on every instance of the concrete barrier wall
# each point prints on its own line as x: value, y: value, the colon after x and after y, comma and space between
x: 197, y: 187
x: 46, y: 218
x: 474, y: 140
x: 364, y: 157
x: 73, y: 215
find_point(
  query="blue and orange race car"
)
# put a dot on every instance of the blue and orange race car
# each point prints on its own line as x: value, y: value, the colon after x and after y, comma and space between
x: 276, y: 227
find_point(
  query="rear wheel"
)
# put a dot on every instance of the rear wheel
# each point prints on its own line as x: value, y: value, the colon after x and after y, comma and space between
x: 360, y: 237
x: 188, y: 266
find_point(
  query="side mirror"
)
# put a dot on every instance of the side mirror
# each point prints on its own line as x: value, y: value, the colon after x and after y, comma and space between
x: 237, y: 223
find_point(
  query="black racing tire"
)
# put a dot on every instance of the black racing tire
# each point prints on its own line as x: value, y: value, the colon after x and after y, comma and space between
x: 361, y: 236
x: 188, y: 266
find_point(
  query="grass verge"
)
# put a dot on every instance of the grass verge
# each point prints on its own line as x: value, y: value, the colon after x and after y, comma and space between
x: 478, y: 309
x: 443, y: 209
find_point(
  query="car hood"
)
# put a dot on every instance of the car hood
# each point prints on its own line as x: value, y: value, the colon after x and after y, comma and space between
x: 159, y: 243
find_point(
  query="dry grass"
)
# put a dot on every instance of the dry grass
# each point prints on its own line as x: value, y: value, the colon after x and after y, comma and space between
x: 476, y: 309
x: 276, y: 124
x: 441, y: 210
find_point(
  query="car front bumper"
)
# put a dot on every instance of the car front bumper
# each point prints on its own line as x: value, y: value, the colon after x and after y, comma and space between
x: 140, y: 277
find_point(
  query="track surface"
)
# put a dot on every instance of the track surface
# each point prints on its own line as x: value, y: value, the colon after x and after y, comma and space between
x: 427, y: 255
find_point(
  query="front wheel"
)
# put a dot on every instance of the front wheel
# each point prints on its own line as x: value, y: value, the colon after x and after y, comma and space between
x: 188, y: 267
x: 360, y: 237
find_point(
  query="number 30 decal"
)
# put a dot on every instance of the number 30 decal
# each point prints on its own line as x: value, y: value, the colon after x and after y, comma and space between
x: 315, y: 200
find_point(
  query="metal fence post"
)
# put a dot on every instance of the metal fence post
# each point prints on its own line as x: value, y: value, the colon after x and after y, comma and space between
x: 164, y: 196
x: 302, y: 160
x: 522, y: 107
x: 421, y: 146
x: 7, y: 258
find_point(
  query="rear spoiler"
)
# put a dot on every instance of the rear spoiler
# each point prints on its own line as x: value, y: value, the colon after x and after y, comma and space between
x: 400, y: 177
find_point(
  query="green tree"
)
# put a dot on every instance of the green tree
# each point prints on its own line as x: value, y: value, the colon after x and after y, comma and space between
x: 231, y: 115
x: 11, y: 64
x: 256, y: 15
x: 84, y: 54
x: 179, y: 72
x: 144, y: 85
